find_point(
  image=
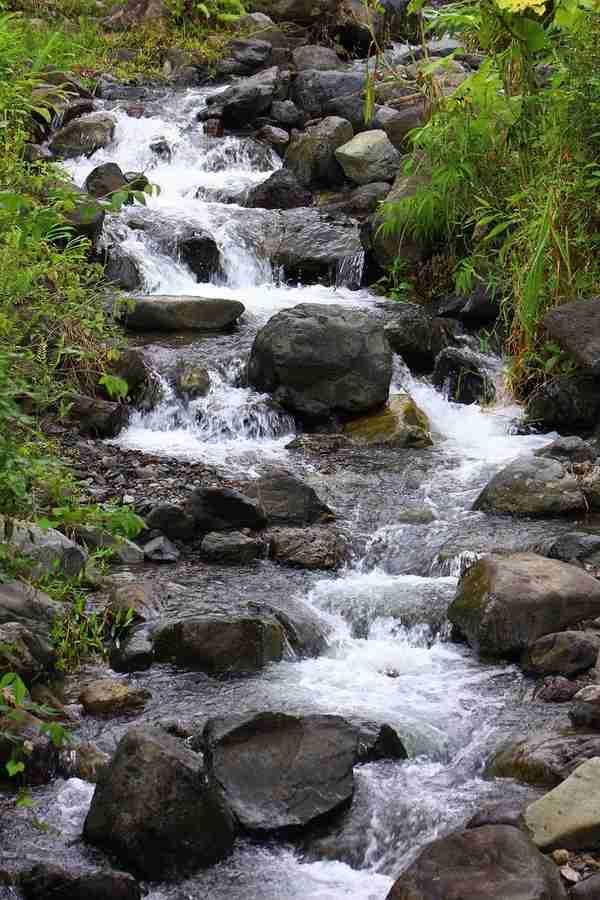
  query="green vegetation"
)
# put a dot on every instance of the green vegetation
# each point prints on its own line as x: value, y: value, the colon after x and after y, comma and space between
x: 512, y: 168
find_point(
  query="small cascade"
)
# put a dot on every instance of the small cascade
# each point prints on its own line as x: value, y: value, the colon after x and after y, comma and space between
x: 350, y: 270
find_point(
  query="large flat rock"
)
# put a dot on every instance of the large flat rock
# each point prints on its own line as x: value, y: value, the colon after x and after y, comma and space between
x: 174, y: 313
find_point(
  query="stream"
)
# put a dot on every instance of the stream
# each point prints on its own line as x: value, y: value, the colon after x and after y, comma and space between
x: 406, y: 513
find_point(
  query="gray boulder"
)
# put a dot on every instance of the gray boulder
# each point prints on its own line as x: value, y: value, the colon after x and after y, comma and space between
x: 369, y: 156
x: 286, y: 113
x: 225, y: 509
x: 494, y: 862
x: 231, y: 547
x: 567, y: 401
x: 288, y: 501
x: 281, y: 190
x: 397, y: 123
x: 544, y: 758
x: 235, y: 644
x: 417, y: 337
x: 462, y: 375
x: 307, y: 548
x: 179, y: 313
x: 313, y: 89
x: 532, y: 486
x: 314, y: 56
x: 161, y: 550
x: 82, y: 137
x: 505, y: 603
x: 121, y: 550
x: 249, y: 98
x: 319, y: 361
x: 279, y: 771
x: 564, y: 653
x: 311, y: 155
x: 47, y: 548
x: 576, y: 328
x: 156, y: 810
x: 172, y: 520
x: 312, y: 246
x: 574, y: 449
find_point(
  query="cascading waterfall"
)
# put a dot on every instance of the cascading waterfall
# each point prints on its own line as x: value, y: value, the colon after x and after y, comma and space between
x: 388, y: 658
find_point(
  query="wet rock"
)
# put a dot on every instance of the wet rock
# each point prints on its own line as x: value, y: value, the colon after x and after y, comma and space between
x: 121, y: 550
x: 313, y: 56
x: 557, y: 689
x: 237, y: 644
x: 191, y: 381
x: 504, y: 603
x: 574, y: 449
x: 506, y: 812
x: 385, y: 247
x: 274, y: 137
x: 122, y: 270
x: 172, y: 520
x: 23, y: 652
x: 319, y: 361
x: 461, y: 374
x: 286, y: 113
x: 369, y: 156
x: 48, y: 550
x: 544, y: 758
x: 83, y: 137
x: 98, y: 418
x: 494, y: 862
x: 134, y: 654
x: 585, y: 712
x: 565, y: 653
x: 480, y: 306
x: 198, y: 250
x: 143, y: 597
x: 311, y: 155
x: 531, y: 486
x: 576, y: 328
x: 162, y: 149
x: 568, y: 816
x: 417, y: 336
x: 224, y: 509
x: 232, y: 547
x: 307, y: 548
x: 85, y: 761
x: 313, y: 89
x: 565, y: 402
x: 161, y: 550
x: 281, y: 190
x: 287, y: 500
x: 180, y: 313
x: 260, y: 759
x: 104, y: 180
x: 156, y: 810
x: 109, y: 697
x: 377, y: 742
x: 400, y: 424
x: 48, y: 881
x: 312, y: 246
x: 359, y: 203
x: 246, y: 100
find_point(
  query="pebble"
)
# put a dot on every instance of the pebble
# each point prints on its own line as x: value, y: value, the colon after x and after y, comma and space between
x: 560, y: 857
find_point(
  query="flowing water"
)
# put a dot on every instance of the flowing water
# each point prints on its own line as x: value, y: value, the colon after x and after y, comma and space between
x: 408, y: 517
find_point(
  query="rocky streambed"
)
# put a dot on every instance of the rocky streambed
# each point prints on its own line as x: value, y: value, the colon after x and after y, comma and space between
x: 290, y: 716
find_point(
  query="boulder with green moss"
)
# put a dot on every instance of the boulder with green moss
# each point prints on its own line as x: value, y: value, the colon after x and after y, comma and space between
x: 506, y: 602
x: 400, y: 424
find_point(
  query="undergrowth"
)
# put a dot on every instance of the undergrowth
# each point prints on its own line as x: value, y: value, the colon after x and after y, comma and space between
x: 510, y: 173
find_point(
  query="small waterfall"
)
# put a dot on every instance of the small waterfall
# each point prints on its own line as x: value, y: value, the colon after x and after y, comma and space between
x: 350, y: 270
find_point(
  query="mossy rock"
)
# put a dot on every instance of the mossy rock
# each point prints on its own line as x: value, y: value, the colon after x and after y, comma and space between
x: 400, y: 424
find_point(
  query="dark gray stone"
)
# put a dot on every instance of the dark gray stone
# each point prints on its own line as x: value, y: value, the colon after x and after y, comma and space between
x: 224, y: 509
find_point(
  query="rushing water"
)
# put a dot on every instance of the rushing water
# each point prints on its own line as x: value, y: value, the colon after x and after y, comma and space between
x: 408, y: 514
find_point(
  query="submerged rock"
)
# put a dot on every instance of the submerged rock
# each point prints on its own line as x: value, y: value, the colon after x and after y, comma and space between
x: 178, y: 313
x: 400, y: 424
x: 568, y: 816
x: 156, y: 810
x: 532, y: 486
x: 319, y: 361
x: 505, y: 603
x: 493, y: 862
x: 279, y: 771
